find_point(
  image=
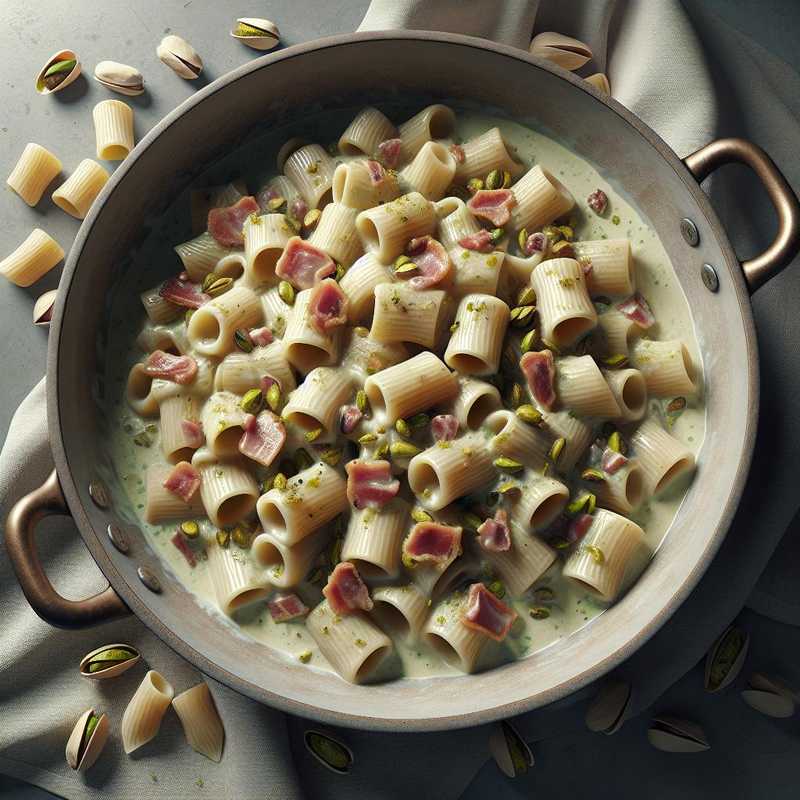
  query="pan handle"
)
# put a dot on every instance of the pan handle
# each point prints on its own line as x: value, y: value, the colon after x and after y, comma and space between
x: 786, y: 244
x: 44, y: 599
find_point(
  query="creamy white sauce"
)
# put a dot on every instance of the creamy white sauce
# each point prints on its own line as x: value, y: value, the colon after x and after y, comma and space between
x: 572, y: 607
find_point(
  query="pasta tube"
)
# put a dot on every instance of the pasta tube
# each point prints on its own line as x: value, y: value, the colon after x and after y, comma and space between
x: 434, y: 122
x: 264, y: 240
x: 287, y: 565
x: 367, y: 130
x: 359, y: 283
x: 475, y: 401
x: 662, y: 457
x: 212, y: 326
x: 228, y: 491
x: 457, y: 644
x: 336, y: 234
x: 485, y: 153
x: 431, y: 171
x: 35, y: 170
x: 310, y: 169
x: 77, y: 193
x: 143, y: 714
x: 515, y: 439
x: 611, y: 266
x: 113, y: 127
x: 200, y: 720
x: 161, y: 505
x: 236, y: 582
x: 524, y: 563
x: 387, y: 229
x: 37, y: 255
x: 541, y: 198
x: 666, y: 366
x: 305, y: 347
x: 583, y: 389
x: 316, y: 402
x: 403, y: 314
x: 400, y: 609
x: 630, y: 391
x: 374, y: 538
x: 354, y: 186
x: 481, y: 322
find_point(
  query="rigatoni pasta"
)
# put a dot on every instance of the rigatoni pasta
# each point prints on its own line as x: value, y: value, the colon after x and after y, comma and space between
x: 434, y: 122
x: 666, y: 366
x: 310, y: 169
x: 540, y: 198
x: 77, y: 193
x: 404, y: 314
x: 35, y: 170
x: 387, y: 229
x: 480, y: 326
x: 485, y: 153
x: 35, y: 257
x: 431, y: 171
x: 264, y: 240
x: 336, y: 233
x: 200, y: 720
x: 368, y: 129
x: 356, y: 184
x: 142, y: 717
x: 113, y: 127
x: 237, y: 583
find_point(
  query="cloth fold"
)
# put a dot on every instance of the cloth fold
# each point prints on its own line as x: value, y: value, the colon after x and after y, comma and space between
x: 669, y: 82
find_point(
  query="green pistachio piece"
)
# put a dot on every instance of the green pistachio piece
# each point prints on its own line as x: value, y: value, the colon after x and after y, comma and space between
x: 497, y: 588
x: 279, y: 482
x: 368, y: 438
x: 528, y: 413
x: 593, y: 475
x: 528, y: 341
x: 557, y: 449
x: 515, y: 395
x: 526, y: 296
x: 615, y: 361
x: 474, y: 185
x: 567, y: 232
x: 522, y: 239
x: 312, y: 435
x: 563, y: 249
x: 496, y: 234
x: 276, y: 203
x: 311, y: 218
x: 305, y: 656
x: 409, y: 266
x: 241, y: 338
x: 274, y: 397
x: 286, y: 292
x: 539, y: 612
x: 552, y: 233
x: 382, y: 450
x: 420, y: 515
x: 508, y: 464
x: 252, y: 401
x: 401, y: 426
x: 331, y: 457
x: 419, y: 421
x: 494, y: 179
x: 403, y: 450
x: 219, y: 286
x: 190, y: 529
x: 595, y: 553
x: 241, y: 537
x: 223, y: 538
x: 362, y: 402
x: 60, y: 66
x: 615, y: 442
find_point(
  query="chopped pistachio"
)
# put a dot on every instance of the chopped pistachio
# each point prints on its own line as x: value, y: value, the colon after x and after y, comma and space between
x: 454, y: 327
x: 615, y: 361
x: 615, y: 220
x: 409, y: 266
x: 528, y: 413
x: 557, y: 449
x: 403, y: 450
x: 420, y: 515
x: 382, y: 450
x: 331, y: 457
x: 522, y: 316
x: 312, y: 435
x: 305, y: 656
x: 188, y: 315
x: 515, y: 395
x: 241, y: 537
x: 508, y: 486
x: 595, y: 553
x: 497, y: 588
x: 539, y: 612
x: 528, y: 341
x: 223, y: 538
x: 552, y: 233
x: 311, y: 218
x: 474, y: 185
x: 591, y: 505
x: 241, y: 339
x: 252, y: 401
x: 219, y: 286
x: 506, y: 179
x: 279, y: 482
x: 362, y: 402
x: 567, y: 232
x: 615, y: 442
x: 494, y: 179
x: 594, y: 475
x: 190, y: 529
x: 508, y: 464
x: 522, y: 239
x: 401, y: 426
x: 274, y: 397
x: 367, y: 438
x: 563, y: 249
x: 286, y: 292
x: 419, y: 421
x: 496, y: 234
x: 276, y: 203
x: 526, y: 296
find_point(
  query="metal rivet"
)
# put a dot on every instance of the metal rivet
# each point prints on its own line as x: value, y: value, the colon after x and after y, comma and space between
x: 709, y: 276
x: 99, y: 494
x: 118, y: 538
x: 148, y: 578
x: 689, y: 232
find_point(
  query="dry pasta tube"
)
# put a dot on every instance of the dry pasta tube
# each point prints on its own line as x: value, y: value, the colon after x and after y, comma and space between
x: 367, y: 130
x: 403, y: 314
x: 486, y: 153
x: 518, y: 440
x: 113, y: 128
x: 401, y: 610
x: 336, y: 636
x: 228, y: 491
x: 440, y: 475
x: 666, y: 366
x: 37, y: 255
x: 311, y: 498
x: 524, y: 563
x: 447, y: 635
x: 475, y: 401
x: 212, y: 326
x: 34, y: 171
x: 541, y: 198
x: 336, y: 234
x: 481, y: 322
x: 200, y: 720
x: 287, y: 565
x: 662, y: 457
x: 354, y: 187
x: 630, y: 391
x: 600, y: 561
x: 162, y: 505
x: 236, y: 583
x: 582, y: 388
x: 387, y: 229
x: 374, y: 539
x: 565, y: 310
x: 611, y: 266
x: 431, y: 171
x: 359, y: 284
x: 143, y: 714
x: 411, y: 386
x: 77, y: 193
x: 264, y: 240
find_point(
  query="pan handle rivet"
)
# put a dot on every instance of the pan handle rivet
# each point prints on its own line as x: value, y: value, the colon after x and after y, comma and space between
x: 99, y: 494
x: 710, y: 278
x: 148, y: 578
x: 118, y: 538
x: 689, y: 232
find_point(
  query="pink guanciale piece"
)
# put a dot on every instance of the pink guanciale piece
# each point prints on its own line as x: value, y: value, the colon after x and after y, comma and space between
x: 225, y: 224
x: 444, y: 427
x: 539, y: 370
x: 376, y: 172
x: 327, y: 306
x: 298, y: 209
x: 183, y: 481
x: 263, y: 437
x: 178, y: 369
x: 432, y: 262
x: 494, y: 534
x: 612, y: 461
x: 370, y: 483
x: 389, y: 152
x: 597, y: 201
x: 637, y: 309
x: 193, y: 433
x: 351, y: 416
x: 579, y: 527
x: 265, y: 384
x: 261, y: 337
x: 492, y: 204
x: 480, y: 241
x: 535, y: 243
x: 430, y: 541
x: 179, y: 540
x: 284, y: 607
x: 183, y: 293
x: 345, y: 591
x: 303, y: 265
x: 488, y: 614
x: 458, y: 153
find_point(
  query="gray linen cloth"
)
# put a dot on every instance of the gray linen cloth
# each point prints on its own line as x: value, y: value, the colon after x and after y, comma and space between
x: 657, y: 67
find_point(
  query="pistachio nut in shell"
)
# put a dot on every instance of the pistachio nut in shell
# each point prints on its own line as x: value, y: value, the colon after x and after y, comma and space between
x: 566, y: 52
x: 768, y: 697
x: 43, y: 308
x: 87, y: 740
x: 260, y: 34
x: 331, y: 753
x: 509, y: 750
x: 771, y: 683
x: 58, y: 72
x: 606, y: 713
x: 725, y: 659
x: 673, y: 735
x: 109, y: 661
x: 180, y: 57
x: 119, y: 78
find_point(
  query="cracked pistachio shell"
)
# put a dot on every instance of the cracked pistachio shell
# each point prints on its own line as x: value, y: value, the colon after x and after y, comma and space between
x: 331, y: 753
x: 509, y: 750
x: 81, y: 761
x: 600, y: 82
x: 673, y: 735
x: 116, y: 667
x: 770, y: 696
x: 725, y: 659
x: 566, y: 52
x: 260, y: 34
x: 43, y: 308
x: 606, y: 712
x: 771, y: 683
x: 119, y: 78
x: 61, y: 55
x: 180, y: 57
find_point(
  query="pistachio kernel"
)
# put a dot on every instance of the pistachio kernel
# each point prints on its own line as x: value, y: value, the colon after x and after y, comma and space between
x: 419, y: 421
x: 522, y: 239
x: 559, y: 543
x: 402, y: 427
x: 219, y: 286
x: 305, y: 656
x: 252, y: 401
x: 331, y: 457
x: 368, y: 438
x: 557, y: 448
x: 526, y: 296
x: 362, y: 402
x: 474, y: 185
x: 266, y: 484
x: 595, y: 553
x: 515, y: 395
x: 497, y: 588
x: 616, y: 361
x: 455, y: 326
x: 241, y: 537
x: 276, y: 203
x: 615, y: 442
x: 208, y: 280
x: 508, y: 486
x: 190, y: 529
x: 528, y: 341
x: 223, y: 538
x: 567, y: 232
x: 530, y: 414
x: 539, y: 612
x: 311, y: 218
x: 577, y: 505
x: 286, y: 292
x: 274, y: 396
x: 552, y: 233
x: 420, y: 515
x: 279, y: 482
x: 403, y: 450
x: 404, y: 269
x: 508, y: 464
x: 506, y: 179
x: 340, y: 273
x: 293, y: 223
x: 563, y: 249
x: 496, y: 234
x: 401, y: 260
x: 494, y: 179
x: 522, y: 316
x: 592, y: 474
x: 382, y: 450
x: 241, y: 338
x: 591, y: 504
